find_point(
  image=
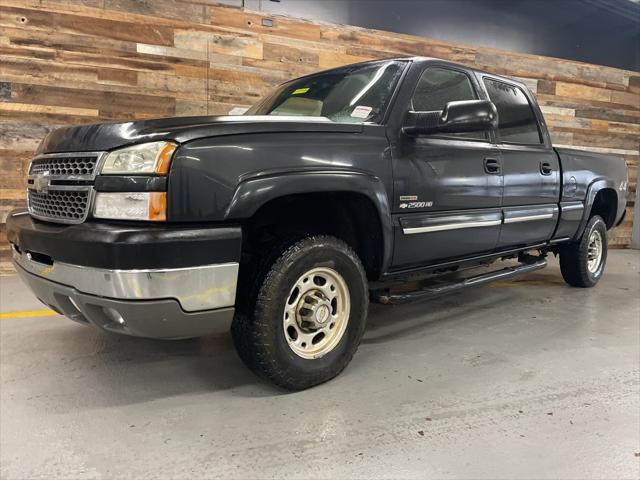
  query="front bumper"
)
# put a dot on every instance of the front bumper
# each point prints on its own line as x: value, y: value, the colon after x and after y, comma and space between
x: 166, y: 302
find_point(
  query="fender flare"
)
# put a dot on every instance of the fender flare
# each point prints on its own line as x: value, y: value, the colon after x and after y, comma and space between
x: 596, y: 186
x: 254, y: 192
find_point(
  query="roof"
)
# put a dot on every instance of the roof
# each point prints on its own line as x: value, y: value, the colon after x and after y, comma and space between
x: 419, y: 59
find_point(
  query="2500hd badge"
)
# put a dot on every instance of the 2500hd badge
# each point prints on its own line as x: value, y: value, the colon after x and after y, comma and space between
x: 416, y: 204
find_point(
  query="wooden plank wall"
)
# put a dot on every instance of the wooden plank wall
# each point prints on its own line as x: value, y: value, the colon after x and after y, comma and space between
x: 79, y: 61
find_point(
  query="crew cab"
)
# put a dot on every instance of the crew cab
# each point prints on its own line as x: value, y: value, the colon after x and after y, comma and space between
x: 283, y: 224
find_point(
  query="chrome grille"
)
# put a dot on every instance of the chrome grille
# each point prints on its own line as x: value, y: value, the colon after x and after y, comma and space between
x: 68, y: 165
x: 68, y: 206
x: 60, y: 186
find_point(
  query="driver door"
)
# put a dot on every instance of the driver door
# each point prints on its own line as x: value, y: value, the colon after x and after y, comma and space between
x: 447, y: 188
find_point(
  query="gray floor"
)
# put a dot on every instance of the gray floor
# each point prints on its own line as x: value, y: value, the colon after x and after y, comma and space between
x: 526, y: 379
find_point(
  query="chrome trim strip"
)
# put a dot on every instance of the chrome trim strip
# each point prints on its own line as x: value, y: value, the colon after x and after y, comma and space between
x: 68, y: 188
x: 67, y: 154
x: 195, y: 288
x: 528, y: 218
x: 568, y: 207
x: 61, y: 178
x: 450, y: 226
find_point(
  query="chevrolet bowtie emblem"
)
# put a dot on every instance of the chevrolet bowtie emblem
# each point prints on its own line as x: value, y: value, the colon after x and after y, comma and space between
x: 41, y: 182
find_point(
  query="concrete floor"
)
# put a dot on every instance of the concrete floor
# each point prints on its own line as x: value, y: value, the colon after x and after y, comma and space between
x: 522, y: 379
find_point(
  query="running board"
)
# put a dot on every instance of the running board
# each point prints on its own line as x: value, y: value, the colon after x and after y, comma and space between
x: 436, y: 291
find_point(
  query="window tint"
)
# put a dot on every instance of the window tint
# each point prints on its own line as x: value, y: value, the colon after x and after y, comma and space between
x: 517, y: 122
x: 439, y: 86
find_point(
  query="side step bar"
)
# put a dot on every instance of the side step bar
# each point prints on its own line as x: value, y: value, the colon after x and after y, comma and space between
x: 436, y: 291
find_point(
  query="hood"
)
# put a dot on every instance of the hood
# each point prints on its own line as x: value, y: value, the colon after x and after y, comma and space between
x: 107, y: 136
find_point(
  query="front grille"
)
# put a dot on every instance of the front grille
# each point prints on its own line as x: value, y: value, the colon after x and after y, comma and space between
x: 67, y: 206
x: 68, y: 165
x: 60, y: 186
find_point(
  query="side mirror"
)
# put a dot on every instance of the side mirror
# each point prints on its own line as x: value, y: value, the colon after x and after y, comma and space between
x: 459, y: 116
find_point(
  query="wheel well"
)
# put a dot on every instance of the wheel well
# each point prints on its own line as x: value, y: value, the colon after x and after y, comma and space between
x: 352, y: 217
x: 606, y: 205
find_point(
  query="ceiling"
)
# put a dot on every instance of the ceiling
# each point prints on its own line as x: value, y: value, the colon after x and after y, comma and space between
x: 604, y: 32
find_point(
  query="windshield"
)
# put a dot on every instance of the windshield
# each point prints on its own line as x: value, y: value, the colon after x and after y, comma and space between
x: 355, y: 94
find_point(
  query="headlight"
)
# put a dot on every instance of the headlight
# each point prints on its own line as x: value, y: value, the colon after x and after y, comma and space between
x: 153, y: 157
x: 131, y: 206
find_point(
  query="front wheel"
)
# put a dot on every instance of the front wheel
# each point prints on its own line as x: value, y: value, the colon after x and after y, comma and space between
x: 305, y: 318
x: 582, y: 263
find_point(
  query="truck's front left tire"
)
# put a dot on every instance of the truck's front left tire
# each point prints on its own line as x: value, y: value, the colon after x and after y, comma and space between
x: 302, y: 321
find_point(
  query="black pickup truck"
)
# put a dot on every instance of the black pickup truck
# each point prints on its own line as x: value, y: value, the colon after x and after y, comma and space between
x: 284, y: 223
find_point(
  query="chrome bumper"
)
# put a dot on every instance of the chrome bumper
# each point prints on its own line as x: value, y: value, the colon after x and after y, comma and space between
x: 205, y: 287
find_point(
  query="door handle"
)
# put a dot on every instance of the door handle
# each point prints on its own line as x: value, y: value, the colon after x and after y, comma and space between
x: 491, y: 166
x: 545, y: 168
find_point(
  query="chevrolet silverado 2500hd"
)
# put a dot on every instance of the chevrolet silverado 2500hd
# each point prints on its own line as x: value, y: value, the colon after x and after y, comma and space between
x: 285, y: 222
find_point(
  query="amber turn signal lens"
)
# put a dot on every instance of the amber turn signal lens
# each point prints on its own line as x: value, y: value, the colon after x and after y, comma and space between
x: 158, y: 207
x: 164, y: 158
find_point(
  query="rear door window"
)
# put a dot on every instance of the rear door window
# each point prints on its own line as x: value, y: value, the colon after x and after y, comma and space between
x: 517, y: 122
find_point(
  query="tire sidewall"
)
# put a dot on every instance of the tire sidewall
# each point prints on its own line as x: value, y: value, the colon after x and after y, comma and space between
x: 275, y: 291
x: 596, y: 223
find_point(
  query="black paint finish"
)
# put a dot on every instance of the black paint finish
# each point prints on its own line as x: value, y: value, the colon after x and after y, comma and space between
x: 485, y: 197
x: 125, y: 246
x: 118, y: 183
x: 230, y: 177
x: 108, y: 136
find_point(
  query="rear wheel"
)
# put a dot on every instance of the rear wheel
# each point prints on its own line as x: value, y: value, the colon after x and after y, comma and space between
x: 582, y: 263
x: 304, y: 319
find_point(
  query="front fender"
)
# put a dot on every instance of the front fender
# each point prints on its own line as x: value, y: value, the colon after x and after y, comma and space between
x: 253, y: 193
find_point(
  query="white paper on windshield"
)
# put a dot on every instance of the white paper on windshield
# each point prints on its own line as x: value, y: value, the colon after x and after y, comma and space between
x: 238, y: 110
x: 361, y: 111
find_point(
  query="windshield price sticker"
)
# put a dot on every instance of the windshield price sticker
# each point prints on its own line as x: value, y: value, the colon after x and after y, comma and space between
x: 361, y: 111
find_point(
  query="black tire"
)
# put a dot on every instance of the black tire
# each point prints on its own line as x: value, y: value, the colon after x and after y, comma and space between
x: 574, y: 258
x: 258, y: 330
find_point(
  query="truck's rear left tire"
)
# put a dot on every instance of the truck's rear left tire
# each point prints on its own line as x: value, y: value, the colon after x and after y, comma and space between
x: 302, y: 322
x: 582, y: 263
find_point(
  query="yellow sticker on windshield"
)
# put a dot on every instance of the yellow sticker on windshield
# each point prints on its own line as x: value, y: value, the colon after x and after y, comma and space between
x: 300, y: 91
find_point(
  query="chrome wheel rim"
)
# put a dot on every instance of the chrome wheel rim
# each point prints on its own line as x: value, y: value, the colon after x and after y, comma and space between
x: 316, y: 313
x: 594, y: 251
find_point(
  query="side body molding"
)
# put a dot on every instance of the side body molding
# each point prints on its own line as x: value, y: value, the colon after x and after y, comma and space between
x: 253, y: 193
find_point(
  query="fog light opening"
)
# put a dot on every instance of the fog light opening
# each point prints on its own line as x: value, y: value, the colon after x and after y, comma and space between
x: 75, y: 305
x: 114, y: 315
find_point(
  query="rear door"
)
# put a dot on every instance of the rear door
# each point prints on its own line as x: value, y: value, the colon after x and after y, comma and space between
x: 447, y: 188
x: 530, y: 167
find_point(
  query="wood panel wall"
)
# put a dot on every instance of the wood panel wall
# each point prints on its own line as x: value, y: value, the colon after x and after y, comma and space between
x: 79, y: 61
